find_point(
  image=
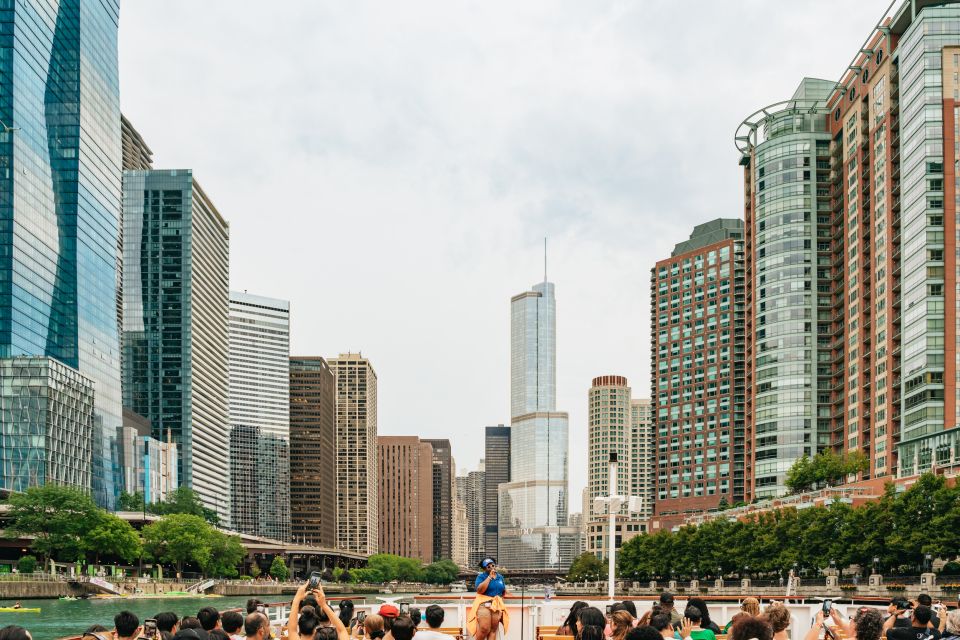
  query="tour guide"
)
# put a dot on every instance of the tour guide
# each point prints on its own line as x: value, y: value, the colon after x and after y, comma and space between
x: 488, y: 611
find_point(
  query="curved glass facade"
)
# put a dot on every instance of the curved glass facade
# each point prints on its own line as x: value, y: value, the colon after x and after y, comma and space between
x: 60, y: 205
x: 785, y: 179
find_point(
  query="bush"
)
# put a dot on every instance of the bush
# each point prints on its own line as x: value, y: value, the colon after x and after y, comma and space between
x: 27, y: 564
x: 245, y: 578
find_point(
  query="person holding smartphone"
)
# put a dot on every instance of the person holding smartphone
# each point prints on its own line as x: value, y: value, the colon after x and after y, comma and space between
x: 488, y: 611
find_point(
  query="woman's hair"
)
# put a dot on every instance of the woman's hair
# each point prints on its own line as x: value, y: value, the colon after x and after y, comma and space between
x: 953, y: 622
x: 591, y: 616
x: 869, y: 624
x: 308, y: 621
x: 751, y: 606
x: 571, y: 621
x: 621, y: 622
x: 701, y: 606
x: 751, y: 628
x: 777, y: 616
x: 14, y: 632
x: 373, y: 626
x: 346, y: 612
x: 325, y: 633
x: 591, y: 632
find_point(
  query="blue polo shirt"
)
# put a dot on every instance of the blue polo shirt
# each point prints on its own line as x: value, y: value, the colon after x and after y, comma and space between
x: 495, y: 587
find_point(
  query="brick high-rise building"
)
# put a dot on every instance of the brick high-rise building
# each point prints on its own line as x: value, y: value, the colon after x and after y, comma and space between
x: 861, y: 273
x: 697, y: 383
x: 406, y: 497
x: 357, y: 479
x: 313, y: 451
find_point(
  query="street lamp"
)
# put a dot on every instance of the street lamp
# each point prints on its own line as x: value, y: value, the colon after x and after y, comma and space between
x: 928, y: 561
x: 876, y: 563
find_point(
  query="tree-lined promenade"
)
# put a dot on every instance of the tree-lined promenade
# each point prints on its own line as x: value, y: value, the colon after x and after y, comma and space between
x: 894, y: 535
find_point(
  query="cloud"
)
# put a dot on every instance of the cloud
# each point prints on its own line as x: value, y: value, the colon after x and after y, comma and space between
x: 392, y: 168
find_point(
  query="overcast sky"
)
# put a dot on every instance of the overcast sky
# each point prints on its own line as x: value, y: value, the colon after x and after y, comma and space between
x: 391, y: 168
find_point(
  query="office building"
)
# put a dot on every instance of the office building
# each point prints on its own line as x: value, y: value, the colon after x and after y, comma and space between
x: 496, y: 473
x: 175, y: 329
x: 357, y: 479
x: 460, y: 528
x: 534, y: 505
x: 313, y: 451
x: 60, y: 208
x: 474, y: 499
x: 444, y: 477
x: 260, y: 414
x: 406, y: 497
x: 47, y: 424
x: 610, y: 430
x: 697, y: 335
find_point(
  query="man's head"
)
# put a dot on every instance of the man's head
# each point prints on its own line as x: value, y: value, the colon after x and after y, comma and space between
x: 127, y: 624
x: 921, y: 616
x: 209, y: 618
x: 389, y: 614
x: 231, y: 622
x: 777, y: 616
x: 434, y: 615
x: 190, y: 622
x: 694, y: 615
x: 415, y: 616
x: 924, y: 599
x: 252, y: 604
x: 403, y: 628
x: 167, y: 621
x: 662, y: 623
x: 256, y: 626
x: 666, y: 600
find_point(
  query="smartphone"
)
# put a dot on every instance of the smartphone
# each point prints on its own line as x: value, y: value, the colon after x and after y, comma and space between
x: 827, y: 605
x: 609, y: 607
x: 361, y: 616
x: 314, y: 580
x: 261, y: 608
x: 149, y: 628
x: 404, y: 608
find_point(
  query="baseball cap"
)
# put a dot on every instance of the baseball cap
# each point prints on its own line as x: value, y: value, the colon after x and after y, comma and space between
x: 389, y: 611
x: 666, y: 598
x: 487, y: 562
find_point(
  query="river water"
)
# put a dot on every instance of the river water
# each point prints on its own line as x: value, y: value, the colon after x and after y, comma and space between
x: 60, y: 618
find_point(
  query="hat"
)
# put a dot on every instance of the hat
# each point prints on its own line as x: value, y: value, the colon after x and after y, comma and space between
x: 389, y: 611
x: 487, y: 562
x: 666, y: 598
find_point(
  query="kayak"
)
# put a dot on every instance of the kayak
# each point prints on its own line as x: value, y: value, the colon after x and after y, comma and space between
x: 20, y: 610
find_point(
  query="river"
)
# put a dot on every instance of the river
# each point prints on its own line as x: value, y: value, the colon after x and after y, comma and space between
x: 60, y: 618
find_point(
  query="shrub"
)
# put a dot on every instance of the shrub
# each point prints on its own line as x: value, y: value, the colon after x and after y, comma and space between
x: 27, y: 564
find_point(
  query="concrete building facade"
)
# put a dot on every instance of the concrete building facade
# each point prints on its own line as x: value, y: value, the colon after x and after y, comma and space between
x: 406, y: 521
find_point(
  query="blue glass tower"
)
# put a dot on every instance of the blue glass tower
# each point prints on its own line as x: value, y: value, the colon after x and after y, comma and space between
x: 60, y: 199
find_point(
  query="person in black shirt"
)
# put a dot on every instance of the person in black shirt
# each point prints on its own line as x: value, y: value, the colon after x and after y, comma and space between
x: 919, y: 628
x: 927, y: 601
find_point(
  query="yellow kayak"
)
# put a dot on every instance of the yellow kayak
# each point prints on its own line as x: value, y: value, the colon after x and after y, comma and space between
x: 20, y: 610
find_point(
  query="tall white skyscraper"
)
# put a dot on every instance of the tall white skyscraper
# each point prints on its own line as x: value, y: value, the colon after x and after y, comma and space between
x: 534, y: 505
x: 260, y: 415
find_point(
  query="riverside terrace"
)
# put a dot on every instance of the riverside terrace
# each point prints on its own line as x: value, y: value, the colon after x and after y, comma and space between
x: 301, y: 558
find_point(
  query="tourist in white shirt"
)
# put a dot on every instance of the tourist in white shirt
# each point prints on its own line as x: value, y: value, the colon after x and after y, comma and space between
x: 434, y: 616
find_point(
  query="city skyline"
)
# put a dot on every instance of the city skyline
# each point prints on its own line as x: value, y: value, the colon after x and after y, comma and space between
x: 492, y: 246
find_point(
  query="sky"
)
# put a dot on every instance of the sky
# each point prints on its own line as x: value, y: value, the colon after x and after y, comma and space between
x: 392, y: 168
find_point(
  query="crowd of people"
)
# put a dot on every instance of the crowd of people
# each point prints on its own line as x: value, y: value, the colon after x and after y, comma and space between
x: 312, y: 617
x: 920, y: 619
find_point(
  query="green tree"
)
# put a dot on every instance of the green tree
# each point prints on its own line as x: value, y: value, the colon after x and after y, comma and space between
x: 255, y: 570
x: 278, y: 569
x: 112, y: 536
x: 442, y: 572
x: 226, y: 554
x: 177, y: 539
x: 27, y: 564
x: 57, y: 517
x: 800, y: 475
x: 132, y: 501
x: 586, y: 568
x: 184, y: 501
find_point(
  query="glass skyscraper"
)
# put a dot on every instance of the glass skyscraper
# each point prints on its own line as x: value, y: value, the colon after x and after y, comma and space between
x: 534, y: 505
x: 175, y: 333
x: 60, y: 200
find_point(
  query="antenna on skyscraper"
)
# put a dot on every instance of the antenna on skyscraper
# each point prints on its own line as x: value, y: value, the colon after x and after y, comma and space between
x: 544, y: 258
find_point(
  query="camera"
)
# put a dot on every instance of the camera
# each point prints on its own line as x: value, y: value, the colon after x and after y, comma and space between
x: 314, y: 580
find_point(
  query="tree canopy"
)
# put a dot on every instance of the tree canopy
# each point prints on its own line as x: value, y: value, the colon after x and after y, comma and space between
x: 899, y: 529
x: 182, y: 538
x: 182, y: 500
x: 824, y: 469
x: 59, y: 518
x: 586, y: 568
x: 386, y: 567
